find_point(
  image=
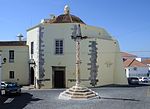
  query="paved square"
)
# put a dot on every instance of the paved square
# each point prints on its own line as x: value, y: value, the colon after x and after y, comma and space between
x: 111, y: 98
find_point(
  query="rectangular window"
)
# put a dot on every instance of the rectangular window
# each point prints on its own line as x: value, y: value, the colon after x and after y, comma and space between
x: 11, y: 75
x: 32, y: 47
x: 11, y: 56
x: 59, y: 47
x: 135, y: 68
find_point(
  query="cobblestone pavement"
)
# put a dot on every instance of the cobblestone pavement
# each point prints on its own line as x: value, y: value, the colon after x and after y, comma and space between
x: 111, y: 98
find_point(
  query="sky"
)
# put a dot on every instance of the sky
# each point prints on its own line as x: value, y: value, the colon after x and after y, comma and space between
x: 128, y: 21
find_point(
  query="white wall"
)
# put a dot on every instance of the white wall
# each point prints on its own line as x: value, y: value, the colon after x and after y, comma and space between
x: 139, y: 59
x: 33, y: 36
x: 110, y: 69
x: 107, y: 49
x: 141, y: 71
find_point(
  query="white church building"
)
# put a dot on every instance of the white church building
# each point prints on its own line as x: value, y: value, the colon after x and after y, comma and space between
x: 52, y: 54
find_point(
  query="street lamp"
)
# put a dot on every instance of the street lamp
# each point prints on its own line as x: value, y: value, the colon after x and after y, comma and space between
x: 32, y: 62
x: 4, y: 60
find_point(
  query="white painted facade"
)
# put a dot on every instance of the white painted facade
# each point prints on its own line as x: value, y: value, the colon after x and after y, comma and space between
x: 137, y: 71
x: 139, y: 59
x: 52, y: 54
x: 110, y: 66
x: 136, y: 68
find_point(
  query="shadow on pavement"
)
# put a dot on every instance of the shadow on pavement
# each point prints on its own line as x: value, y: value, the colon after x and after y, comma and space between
x: 125, y: 86
x: 18, y: 102
x: 124, y: 99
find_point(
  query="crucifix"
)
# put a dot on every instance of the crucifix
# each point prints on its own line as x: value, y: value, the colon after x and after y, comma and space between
x: 77, y: 37
x: 78, y: 92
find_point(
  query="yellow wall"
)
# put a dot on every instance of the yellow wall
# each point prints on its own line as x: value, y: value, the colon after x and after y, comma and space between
x: 20, y: 65
x: 119, y: 78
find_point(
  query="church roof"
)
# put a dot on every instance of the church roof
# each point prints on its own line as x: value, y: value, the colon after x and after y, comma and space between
x: 66, y: 18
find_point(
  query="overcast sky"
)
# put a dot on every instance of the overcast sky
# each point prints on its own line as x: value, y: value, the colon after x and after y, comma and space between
x: 126, y: 20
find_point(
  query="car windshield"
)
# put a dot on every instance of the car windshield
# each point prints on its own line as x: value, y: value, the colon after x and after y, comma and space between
x: 11, y: 85
x: 2, y: 83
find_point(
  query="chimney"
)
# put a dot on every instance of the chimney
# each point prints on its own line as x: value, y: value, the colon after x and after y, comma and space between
x: 20, y: 37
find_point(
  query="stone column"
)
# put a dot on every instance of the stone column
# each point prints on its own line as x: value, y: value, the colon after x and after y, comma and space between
x: 78, y: 61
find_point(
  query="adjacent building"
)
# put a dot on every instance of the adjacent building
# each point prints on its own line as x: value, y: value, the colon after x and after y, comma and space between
x: 52, y: 54
x: 147, y: 62
x: 135, y: 68
x: 15, y: 62
x: 126, y: 55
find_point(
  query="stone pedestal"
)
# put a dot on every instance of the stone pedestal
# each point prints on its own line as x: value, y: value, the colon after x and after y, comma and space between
x: 78, y: 93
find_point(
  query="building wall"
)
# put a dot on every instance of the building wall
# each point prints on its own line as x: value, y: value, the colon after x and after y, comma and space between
x: 33, y: 36
x: 149, y: 66
x: 108, y: 62
x: 20, y: 65
x: 140, y: 71
x: 119, y: 71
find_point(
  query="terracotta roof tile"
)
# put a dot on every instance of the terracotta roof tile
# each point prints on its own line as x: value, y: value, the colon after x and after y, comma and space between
x: 127, y: 55
x: 146, y: 61
x: 65, y: 18
x: 133, y: 63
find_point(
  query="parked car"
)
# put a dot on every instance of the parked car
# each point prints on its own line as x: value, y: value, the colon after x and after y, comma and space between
x: 140, y: 79
x: 143, y: 79
x: 148, y: 79
x: 133, y: 80
x: 3, y: 84
x: 12, y: 88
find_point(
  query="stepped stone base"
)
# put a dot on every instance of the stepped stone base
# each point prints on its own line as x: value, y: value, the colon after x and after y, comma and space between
x: 78, y: 93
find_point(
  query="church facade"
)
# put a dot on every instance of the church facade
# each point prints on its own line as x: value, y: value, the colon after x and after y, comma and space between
x: 52, y: 54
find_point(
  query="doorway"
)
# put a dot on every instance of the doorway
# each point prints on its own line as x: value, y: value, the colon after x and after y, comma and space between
x: 59, y: 77
x: 32, y: 76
